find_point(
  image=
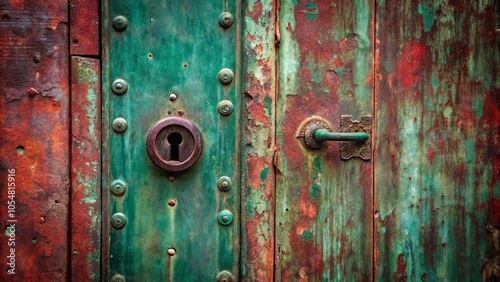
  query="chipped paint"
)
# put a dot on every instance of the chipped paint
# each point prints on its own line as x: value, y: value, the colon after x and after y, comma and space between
x: 436, y: 150
x: 86, y: 169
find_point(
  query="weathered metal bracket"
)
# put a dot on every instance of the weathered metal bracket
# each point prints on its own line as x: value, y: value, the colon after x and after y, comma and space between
x: 350, y: 149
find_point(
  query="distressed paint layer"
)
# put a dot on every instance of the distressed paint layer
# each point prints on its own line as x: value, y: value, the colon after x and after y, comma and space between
x: 34, y: 137
x: 174, y: 46
x: 84, y: 27
x: 438, y: 137
x: 258, y: 198
x: 85, y: 169
x: 323, y: 204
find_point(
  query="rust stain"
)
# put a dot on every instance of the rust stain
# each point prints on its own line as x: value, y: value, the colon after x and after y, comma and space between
x: 34, y: 140
x: 86, y: 169
x: 84, y: 27
x: 400, y: 274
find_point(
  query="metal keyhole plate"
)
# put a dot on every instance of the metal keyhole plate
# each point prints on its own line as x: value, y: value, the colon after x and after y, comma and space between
x: 174, y: 144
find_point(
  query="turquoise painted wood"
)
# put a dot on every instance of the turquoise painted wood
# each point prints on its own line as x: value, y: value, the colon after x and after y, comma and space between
x: 323, y: 204
x: 437, y: 143
x: 171, y: 47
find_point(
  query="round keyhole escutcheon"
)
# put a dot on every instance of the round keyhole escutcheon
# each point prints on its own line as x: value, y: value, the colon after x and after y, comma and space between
x: 174, y: 144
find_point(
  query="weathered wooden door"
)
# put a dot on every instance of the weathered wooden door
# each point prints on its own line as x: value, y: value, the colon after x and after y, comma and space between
x: 416, y: 199
x: 172, y: 135
x: 422, y: 205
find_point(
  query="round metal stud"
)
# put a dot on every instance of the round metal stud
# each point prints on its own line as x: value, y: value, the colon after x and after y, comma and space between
x: 225, y: 76
x: 172, y: 202
x: 120, y: 23
x: 117, y: 278
x: 224, y: 276
x: 225, y: 107
x: 225, y: 217
x: 224, y: 183
x: 119, y: 86
x: 118, y: 220
x: 172, y: 97
x: 226, y: 20
x: 120, y: 124
x: 118, y: 187
x: 171, y: 252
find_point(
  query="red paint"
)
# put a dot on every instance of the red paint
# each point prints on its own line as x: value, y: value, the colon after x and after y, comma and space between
x: 494, y: 211
x: 414, y: 59
x: 400, y: 274
x: 84, y: 27
x: 430, y: 156
x: 85, y: 171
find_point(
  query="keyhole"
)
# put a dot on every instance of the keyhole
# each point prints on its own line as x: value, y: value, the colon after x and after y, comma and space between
x: 174, y: 139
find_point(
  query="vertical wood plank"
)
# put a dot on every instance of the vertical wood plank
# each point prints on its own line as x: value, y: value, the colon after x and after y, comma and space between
x: 85, y: 169
x: 438, y: 140
x: 34, y: 138
x: 258, y: 177
x: 84, y: 27
x: 324, y: 210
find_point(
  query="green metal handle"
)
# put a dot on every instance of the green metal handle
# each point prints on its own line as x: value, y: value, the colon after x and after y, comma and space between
x: 325, y: 135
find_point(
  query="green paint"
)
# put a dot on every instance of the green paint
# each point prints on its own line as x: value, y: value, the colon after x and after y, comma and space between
x: 268, y: 106
x: 189, y: 48
x: 435, y: 81
x: 312, y: 11
x: 264, y: 173
x: 427, y: 13
x: 479, y: 108
x: 307, y: 235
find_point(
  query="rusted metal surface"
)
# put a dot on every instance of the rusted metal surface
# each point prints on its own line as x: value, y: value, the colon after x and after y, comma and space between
x: 85, y: 169
x: 438, y: 140
x: 323, y: 204
x: 258, y: 138
x: 84, y: 27
x: 34, y: 138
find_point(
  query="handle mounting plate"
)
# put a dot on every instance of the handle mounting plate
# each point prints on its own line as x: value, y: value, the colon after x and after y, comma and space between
x: 350, y: 149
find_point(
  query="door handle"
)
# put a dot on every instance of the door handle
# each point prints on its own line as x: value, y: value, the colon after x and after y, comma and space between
x: 354, y: 135
x: 322, y: 135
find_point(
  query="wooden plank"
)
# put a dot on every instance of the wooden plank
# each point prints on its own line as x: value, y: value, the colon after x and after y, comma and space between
x: 437, y: 153
x: 84, y: 27
x: 258, y: 198
x: 34, y: 138
x: 324, y: 205
x: 85, y: 169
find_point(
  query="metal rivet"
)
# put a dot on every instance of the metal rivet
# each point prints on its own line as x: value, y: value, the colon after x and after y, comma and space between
x: 171, y: 252
x: 490, y: 228
x: 225, y: 107
x: 172, y: 202
x: 119, y: 86
x: 224, y: 183
x: 118, y: 187
x: 117, y: 278
x: 224, y: 276
x: 172, y: 97
x: 225, y: 76
x: 120, y: 125
x: 118, y: 220
x: 120, y: 23
x: 225, y: 217
x: 226, y: 20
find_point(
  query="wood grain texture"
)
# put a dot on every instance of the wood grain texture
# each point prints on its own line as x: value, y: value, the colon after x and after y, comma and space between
x: 438, y: 135
x: 34, y: 136
x: 84, y: 27
x: 258, y: 185
x: 85, y: 169
x: 323, y: 204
